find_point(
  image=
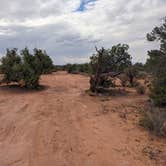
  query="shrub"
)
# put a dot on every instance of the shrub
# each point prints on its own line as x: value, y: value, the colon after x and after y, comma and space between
x: 43, y: 62
x: 25, y: 69
x: 103, y: 82
x: 156, y: 65
x: 154, y: 119
x: 158, y: 93
x: 108, y: 63
x: 30, y: 78
x: 106, y: 82
x: 140, y: 89
x: 11, y: 66
x: 139, y: 66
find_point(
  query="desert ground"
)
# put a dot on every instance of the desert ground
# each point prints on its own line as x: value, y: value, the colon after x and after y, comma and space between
x: 62, y: 125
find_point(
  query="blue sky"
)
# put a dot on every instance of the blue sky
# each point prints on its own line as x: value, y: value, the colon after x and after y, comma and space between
x: 83, y: 4
x: 69, y: 30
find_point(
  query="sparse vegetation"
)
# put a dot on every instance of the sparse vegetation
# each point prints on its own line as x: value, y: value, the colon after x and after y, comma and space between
x: 154, y: 119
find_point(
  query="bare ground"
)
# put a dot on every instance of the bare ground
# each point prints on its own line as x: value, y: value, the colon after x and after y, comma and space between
x: 63, y: 126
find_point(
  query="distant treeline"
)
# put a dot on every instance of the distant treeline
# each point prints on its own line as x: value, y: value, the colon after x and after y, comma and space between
x: 87, y: 68
x: 74, y: 68
x: 81, y: 68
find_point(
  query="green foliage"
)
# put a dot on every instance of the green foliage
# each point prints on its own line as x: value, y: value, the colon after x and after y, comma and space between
x: 25, y: 68
x: 11, y: 66
x: 43, y: 62
x: 156, y: 64
x: 139, y: 66
x: 115, y: 59
x: 104, y: 82
x: 78, y: 68
x: 106, y: 63
x: 158, y: 92
x: 59, y: 68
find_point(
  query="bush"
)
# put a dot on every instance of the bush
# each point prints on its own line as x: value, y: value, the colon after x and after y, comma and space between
x: 158, y: 94
x: 156, y: 65
x: 154, y: 119
x: 140, y: 89
x: 43, y: 62
x: 108, y: 63
x: 25, y: 69
x: 103, y: 82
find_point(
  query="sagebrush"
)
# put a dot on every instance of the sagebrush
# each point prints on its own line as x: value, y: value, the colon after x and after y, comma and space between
x: 154, y: 119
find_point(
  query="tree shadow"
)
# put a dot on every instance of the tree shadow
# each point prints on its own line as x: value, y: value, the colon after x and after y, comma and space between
x: 16, y: 89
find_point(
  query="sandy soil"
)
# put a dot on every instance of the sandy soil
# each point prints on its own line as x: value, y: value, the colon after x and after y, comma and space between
x: 63, y: 126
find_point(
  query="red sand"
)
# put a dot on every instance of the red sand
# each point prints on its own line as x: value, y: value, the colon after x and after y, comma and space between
x: 63, y: 126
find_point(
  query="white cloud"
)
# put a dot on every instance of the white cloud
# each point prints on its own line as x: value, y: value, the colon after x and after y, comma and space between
x: 56, y: 26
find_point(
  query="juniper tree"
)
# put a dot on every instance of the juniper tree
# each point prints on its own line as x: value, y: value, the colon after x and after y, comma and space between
x: 25, y: 68
x: 108, y: 62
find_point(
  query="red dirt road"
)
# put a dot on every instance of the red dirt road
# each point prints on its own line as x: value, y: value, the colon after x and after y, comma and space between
x: 63, y: 126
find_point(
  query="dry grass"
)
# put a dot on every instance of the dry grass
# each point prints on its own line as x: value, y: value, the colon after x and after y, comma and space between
x: 154, y: 119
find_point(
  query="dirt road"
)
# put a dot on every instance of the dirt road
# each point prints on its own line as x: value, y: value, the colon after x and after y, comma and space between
x: 63, y: 126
